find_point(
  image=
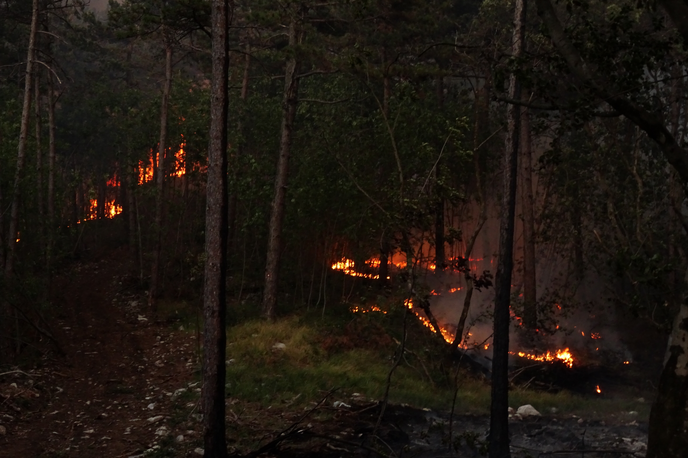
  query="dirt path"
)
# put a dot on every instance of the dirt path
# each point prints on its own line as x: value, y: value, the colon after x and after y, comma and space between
x: 125, y: 385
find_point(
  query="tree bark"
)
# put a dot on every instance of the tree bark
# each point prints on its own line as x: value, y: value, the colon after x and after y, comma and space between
x: 499, y: 421
x: 289, y: 104
x: 154, y: 291
x: 21, y: 150
x: 39, y: 162
x: 51, y: 172
x: 529, y: 264
x: 214, y: 293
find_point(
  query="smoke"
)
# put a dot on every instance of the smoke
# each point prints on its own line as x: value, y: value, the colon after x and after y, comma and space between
x: 574, y: 313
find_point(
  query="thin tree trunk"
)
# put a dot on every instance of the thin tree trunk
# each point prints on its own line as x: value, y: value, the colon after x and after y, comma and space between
x: 289, y: 103
x: 499, y: 421
x: 39, y: 163
x: 160, y: 194
x: 529, y: 265
x: 51, y: 172
x: 21, y: 150
x: 214, y: 292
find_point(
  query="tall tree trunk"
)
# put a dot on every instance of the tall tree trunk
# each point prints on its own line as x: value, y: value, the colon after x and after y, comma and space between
x: 21, y: 150
x: 499, y: 421
x: 160, y: 185
x: 289, y: 103
x: 529, y: 265
x: 440, y: 259
x: 383, y: 270
x: 39, y: 163
x: 214, y: 292
x: 51, y: 172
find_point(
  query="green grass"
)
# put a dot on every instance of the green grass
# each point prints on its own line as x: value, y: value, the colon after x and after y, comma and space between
x: 322, y: 355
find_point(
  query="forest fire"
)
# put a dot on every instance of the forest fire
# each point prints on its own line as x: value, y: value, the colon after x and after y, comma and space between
x: 348, y: 267
x: 564, y: 356
x: 372, y: 308
x: 111, y: 209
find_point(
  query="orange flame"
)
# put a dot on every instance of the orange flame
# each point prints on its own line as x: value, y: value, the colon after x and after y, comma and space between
x: 563, y: 355
x: 372, y: 308
x: 597, y: 388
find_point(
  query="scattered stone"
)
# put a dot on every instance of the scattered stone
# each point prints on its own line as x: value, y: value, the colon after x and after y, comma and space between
x: 340, y: 404
x: 554, y: 410
x: 162, y: 431
x: 279, y: 346
x: 510, y: 410
x: 155, y: 419
x: 179, y: 438
x: 3, y: 430
x: 527, y: 411
x: 199, y: 451
x: 159, y: 363
x: 151, y: 406
x: 632, y: 413
x: 142, y: 318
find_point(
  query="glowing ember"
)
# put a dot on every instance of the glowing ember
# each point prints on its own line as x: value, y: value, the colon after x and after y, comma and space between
x: 348, y: 267
x: 563, y: 355
x: 453, y: 290
x: 597, y: 388
x: 372, y: 308
x: 595, y: 335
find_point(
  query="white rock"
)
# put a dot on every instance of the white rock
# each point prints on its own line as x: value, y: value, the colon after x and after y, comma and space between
x: 199, y: 451
x: 279, y: 346
x: 179, y: 438
x: 155, y: 419
x: 3, y: 430
x: 527, y: 411
x: 151, y: 406
x: 162, y: 431
x: 142, y: 318
x: 159, y: 363
x: 339, y: 404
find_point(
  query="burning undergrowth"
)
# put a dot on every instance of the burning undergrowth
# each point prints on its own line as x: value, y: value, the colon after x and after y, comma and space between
x: 571, y: 342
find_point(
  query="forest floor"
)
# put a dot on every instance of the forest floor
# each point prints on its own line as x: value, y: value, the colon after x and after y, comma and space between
x: 127, y: 386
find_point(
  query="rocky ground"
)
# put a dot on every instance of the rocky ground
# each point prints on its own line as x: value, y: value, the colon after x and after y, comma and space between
x: 127, y: 386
